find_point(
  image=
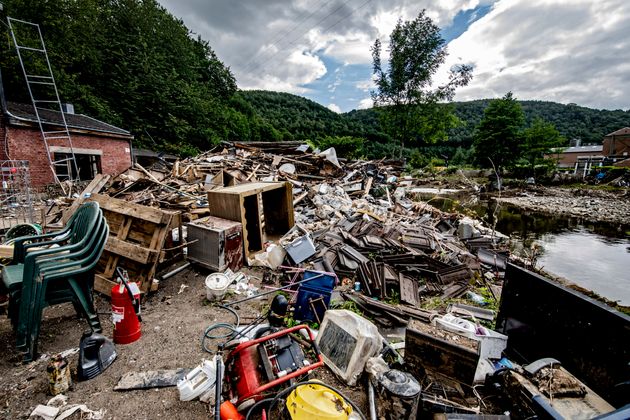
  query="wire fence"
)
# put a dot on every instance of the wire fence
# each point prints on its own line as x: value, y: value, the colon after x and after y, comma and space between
x: 16, y: 204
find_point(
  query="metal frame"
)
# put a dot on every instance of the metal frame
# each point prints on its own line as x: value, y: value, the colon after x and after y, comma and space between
x: 16, y: 205
x: 45, y: 80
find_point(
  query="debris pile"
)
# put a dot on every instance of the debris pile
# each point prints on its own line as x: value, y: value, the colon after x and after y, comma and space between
x: 322, y: 229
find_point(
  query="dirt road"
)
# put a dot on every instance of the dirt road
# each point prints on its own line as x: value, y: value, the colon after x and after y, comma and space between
x: 173, y: 324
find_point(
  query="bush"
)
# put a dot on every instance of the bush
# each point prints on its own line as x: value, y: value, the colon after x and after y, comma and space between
x: 462, y: 157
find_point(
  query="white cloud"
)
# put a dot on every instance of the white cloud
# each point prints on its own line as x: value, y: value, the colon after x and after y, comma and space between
x: 365, y: 85
x: 365, y: 103
x: 256, y: 41
x: 334, y: 108
x: 561, y: 51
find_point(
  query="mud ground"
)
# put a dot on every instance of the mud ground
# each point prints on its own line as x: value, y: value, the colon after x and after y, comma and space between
x: 173, y: 324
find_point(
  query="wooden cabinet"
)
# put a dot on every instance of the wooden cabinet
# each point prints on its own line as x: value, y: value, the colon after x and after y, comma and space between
x: 265, y: 209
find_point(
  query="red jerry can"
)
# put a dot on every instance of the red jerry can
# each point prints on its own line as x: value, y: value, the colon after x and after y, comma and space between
x: 126, y: 311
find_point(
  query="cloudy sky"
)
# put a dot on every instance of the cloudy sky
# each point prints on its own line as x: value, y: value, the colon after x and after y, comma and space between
x: 558, y: 50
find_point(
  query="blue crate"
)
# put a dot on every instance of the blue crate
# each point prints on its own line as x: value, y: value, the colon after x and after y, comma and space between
x: 303, y: 310
x: 326, y: 281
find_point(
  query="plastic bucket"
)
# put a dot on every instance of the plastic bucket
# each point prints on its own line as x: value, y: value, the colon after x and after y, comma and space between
x: 216, y: 286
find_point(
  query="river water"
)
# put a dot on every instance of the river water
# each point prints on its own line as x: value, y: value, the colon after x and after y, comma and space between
x: 593, y: 256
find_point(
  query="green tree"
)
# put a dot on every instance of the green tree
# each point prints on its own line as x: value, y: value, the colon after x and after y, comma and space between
x: 132, y: 64
x: 497, y: 137
x: 345, y: 146
x: 538, y: 140
x: 404, y: 94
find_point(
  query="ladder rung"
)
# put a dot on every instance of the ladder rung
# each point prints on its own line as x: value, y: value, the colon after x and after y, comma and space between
x: 56, y: 162
x: 38, y: 77
x: 55, y: 132
x: 41, y: 83
x: 10, y: 19
x: 31, y: 49
x: 45, y: 101
x: 56, y: 137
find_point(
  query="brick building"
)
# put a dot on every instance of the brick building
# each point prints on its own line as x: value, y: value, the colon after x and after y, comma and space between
x: 617, y: 147
x: 98, y: 147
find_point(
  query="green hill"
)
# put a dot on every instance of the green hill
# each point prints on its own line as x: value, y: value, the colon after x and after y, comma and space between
x: 301, y: 119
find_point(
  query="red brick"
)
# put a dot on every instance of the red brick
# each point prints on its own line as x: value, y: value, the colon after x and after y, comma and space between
x: 25, y: 143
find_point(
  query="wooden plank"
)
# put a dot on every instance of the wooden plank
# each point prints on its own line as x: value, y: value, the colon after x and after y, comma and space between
x: 6, y: 251
x: 250, y: 188
x: 138, y: 211
x: 132, y: 251
x: 225, y: 206
x: 93, y: 187
x: 103, y: 284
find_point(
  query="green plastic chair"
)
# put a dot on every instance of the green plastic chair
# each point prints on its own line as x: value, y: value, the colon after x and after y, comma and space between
x: 55, y: 275
x: 64, y: 278
x: 79, y: 222
x: 73, y: 236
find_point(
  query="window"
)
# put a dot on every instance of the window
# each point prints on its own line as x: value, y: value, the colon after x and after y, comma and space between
x: 88, y: 165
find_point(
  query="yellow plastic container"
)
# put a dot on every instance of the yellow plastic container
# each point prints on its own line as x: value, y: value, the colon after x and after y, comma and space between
x: 313, y: 401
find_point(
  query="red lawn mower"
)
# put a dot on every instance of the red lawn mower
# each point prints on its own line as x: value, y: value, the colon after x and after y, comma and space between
x: 260, y: 367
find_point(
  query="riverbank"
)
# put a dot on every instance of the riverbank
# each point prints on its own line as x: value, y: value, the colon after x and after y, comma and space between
x: 591, y: 205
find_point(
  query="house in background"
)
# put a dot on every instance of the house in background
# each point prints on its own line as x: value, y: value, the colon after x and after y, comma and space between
x: 579, y: 158
x: 616, y: 147
x: 98, y: 147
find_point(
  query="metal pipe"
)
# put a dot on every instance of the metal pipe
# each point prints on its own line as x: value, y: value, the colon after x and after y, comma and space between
x: 371, y: 401
x: 273, y: 290
x: 177, y: 270
x: 218, y: 388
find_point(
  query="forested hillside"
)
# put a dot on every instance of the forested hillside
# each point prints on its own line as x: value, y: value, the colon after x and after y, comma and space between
x: 134, y: 65
x: 305, y: 119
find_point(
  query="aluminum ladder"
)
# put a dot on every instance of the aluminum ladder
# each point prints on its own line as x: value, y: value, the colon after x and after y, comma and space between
x: 43, y: 84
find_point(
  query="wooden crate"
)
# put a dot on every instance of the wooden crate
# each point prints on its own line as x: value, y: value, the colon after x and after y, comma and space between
x: 242, y: 203
x: 136, y: 238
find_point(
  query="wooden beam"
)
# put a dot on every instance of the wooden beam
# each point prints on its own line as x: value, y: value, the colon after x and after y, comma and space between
x: 137, y: 211
x: 131, y: 251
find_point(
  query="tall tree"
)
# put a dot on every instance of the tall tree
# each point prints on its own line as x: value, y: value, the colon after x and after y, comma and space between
x: 404, y: 93
x: 538, y: 140
x: 497, y: 137
x: 132, y: 64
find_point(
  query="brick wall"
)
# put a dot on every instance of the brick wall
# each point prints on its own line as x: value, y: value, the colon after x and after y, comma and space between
x: 26, y: 144
x: 617, y: 146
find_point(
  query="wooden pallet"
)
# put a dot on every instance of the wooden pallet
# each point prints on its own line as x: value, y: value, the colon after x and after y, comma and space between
x: 136, y: 238
x: 95, y: 186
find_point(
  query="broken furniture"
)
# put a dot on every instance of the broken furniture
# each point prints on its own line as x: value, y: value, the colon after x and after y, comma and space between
x: 444, y: 355
x: 589, y: 337
x: 265, y: 209
x: 60, y: 269
x: 138, y: 234
x: 216, y: 243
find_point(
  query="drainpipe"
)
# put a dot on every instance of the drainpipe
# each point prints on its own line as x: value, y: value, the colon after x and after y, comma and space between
x: 3, y: 100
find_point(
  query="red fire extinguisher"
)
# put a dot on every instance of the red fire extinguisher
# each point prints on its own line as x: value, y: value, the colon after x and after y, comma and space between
x: 125, y: 309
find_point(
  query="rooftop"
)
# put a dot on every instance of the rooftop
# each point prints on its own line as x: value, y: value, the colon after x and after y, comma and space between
x: 581, y: 149
x: 26, y: 112
x: 621, y: 132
